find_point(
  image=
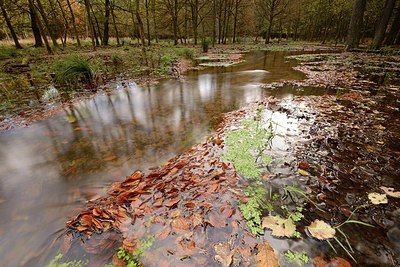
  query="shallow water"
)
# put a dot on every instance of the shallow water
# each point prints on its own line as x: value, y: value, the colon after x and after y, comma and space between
x: 54, y: 166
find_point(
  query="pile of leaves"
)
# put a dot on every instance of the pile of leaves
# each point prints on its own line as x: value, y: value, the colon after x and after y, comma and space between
x: 190, y: 206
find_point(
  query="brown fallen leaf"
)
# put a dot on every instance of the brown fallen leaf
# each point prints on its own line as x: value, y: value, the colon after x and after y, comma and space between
x: 224, y: 254
x: 304, y: 165
x: 110, y: 158
x: 390, y: 191
x: 227, y: 211
x: 216, y: 220
x: 180, y: 223
x: 172, y: 202
x: 163, y: 233
x: 266, y: 255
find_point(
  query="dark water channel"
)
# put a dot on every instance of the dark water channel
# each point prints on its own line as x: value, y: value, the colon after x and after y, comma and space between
x: 54, y: 166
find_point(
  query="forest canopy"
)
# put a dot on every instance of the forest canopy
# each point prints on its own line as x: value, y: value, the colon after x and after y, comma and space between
x: 52, y: 22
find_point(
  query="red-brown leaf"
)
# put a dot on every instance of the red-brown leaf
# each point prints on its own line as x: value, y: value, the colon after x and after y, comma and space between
x: 172, y: 202
x: 216, y: 220
x: 180, y: 223
x: 227, y: 211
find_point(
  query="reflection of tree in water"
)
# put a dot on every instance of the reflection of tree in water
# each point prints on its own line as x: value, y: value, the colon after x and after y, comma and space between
x: 139, y: 127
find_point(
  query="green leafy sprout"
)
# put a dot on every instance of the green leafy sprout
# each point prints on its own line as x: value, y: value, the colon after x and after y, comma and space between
x: 132, y: 259
x: 297, y: 258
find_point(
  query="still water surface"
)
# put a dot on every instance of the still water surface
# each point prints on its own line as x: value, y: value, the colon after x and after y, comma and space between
x: 54, y: 166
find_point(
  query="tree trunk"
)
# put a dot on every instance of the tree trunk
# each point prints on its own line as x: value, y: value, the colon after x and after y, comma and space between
x: 34, y: 26
x: 175, y: 21
x: 91, y: 25
x: 394, y: 29
x: 74, y: 23
x: 140, y: 23
x: 381, y: 29
x: 97, y: 24
x: 106, y: 22
x: 46, y: 23
x: 41, y: 28
x: 65, y: 20
x: 356, y: 23
x: 9, y: 25
x: 148, y: 22
x: 153, y: 7
x: 115, y: 25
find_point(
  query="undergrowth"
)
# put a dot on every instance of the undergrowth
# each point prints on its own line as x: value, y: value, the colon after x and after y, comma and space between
x: 73, y: 69
x: 133, y: 259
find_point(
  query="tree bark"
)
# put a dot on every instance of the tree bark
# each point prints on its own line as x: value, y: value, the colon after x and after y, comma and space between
x: 115, y: 25
x: 148, y: 22
x: 46, y: 23
x: 356, y: 23
x: 41, y: 29
x: 9, y: 25
x: 34, y: 26
x: 140, y: 23
x: 91, y: 25
x: 74, y: 23
x: 394, y: 29
x: 381, y: 29
x: 65, y: 20
x: 106, y: 22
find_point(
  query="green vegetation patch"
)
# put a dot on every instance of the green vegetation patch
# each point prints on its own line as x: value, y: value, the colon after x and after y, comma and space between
x: 73, y: 69
x: 296, y: 258
x: 57, y: 261
x: 132, y: 259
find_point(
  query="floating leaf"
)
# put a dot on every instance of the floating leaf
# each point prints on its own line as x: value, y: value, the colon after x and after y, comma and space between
x: 304, y: 165
x: 172, y: 202
x: 377, y: 198
x: 280, y: 227
x: 390, y: 191
x: 266, y: 255
x: 110, y: 158
x: 321, y: 230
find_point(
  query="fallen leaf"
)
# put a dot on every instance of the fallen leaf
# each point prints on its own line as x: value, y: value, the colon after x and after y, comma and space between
x: 304, y: 165
x: 110, y: 158
x: 196, y: 219
x: 266, y: 256
x: 280, y: 227
x: 321, y: 230
x: 390, y: 191
x: 180, y: 223
x: 216, y: 220
x: 172, y: 202
x: 190, y: 205
x: 224, y: 254
x: 303, y: 172
x: 339, y: 262
x: 164, y: 233
x: 377, y: 198
x: 227, y: 211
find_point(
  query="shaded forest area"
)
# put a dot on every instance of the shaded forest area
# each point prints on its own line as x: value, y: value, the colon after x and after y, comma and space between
x: 52, y: 22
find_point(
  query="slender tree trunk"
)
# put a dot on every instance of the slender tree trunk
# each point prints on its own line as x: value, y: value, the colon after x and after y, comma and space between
x: 235, y: 18
x: 98, y: 26
x: 356, y: 24
x: 381, y: 29
x: 140, y: 23
x: 394, y: 29
x: 214, y: 22
x: 148, y: 22
x: 74, y: 23
x: 41, y: 28
x: 115, y: 25
x: 106, y: 22
x: 153, y: 7
x: 9, y: 25
x: 175, y: 21
x: 65, y: 21
x: 46, y: 23
x: 34, y: 26
x: 91, y: 25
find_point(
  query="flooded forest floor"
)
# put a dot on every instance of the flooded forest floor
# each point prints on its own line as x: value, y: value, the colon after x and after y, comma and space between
x: 299, y: 181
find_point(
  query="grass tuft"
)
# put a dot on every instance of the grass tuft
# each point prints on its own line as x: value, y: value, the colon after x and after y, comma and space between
x: 72, y: 70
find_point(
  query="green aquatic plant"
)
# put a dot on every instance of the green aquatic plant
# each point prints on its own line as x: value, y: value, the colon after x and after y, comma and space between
x: 296, y: 258
x: 132, y: 259
x: 73, y: 69
x: 57, y: 261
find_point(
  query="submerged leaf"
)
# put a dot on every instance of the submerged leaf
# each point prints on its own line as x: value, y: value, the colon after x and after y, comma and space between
x: 321, y: 230
x: 224, y: 254
x: 303, y: 172
x: 266, y: 255
x: 377, y: 198
x: 280, y: 227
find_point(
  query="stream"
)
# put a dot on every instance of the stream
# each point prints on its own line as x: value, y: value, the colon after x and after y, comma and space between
x: 53, y: 167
